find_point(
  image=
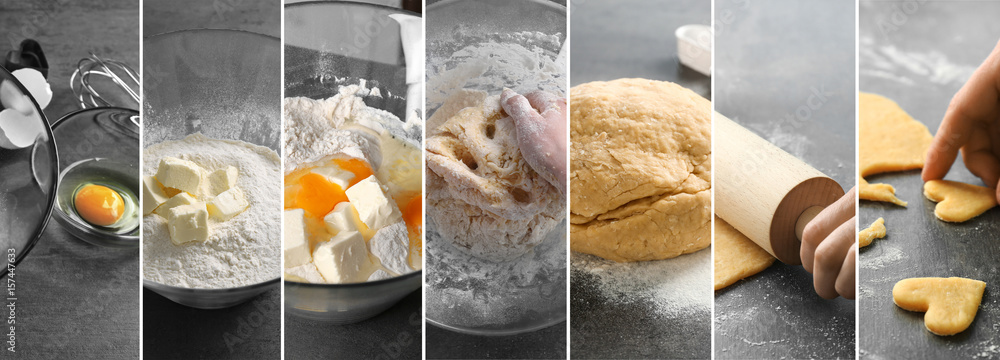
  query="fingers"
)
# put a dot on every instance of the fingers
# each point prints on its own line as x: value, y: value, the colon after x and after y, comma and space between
x: 975, y: 103
x: 830, y: 258
x: 979, y: 158
x: 846, y: 279
x: 824, y: 224
x: 544, y: 100
x: 541, y: 137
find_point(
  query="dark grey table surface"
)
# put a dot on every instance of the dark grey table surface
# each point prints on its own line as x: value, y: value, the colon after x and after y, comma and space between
x: 919, y: 55
x: 627, y: 39
x: 771, y: 57
x: 75, y: 298
x: 251, y: 330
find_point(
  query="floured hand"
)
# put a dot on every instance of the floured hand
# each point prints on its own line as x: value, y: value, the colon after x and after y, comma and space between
x: 540, y: 119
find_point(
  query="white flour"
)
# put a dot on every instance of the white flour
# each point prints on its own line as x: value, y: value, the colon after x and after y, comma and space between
x: 891, y: 63
x: 241, y: 251
x: 680, y: 285
x: 523, y: 62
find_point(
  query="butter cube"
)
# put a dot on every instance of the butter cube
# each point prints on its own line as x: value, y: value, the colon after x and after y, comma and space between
x: 221, y: 180
x: 375, y: 208
x: 228, y: 204
x: 335, y: 175
x: 180, y: 174
x: 343, y: 258
x: 341, y: 219
x: 296, y: 243
x: 182, y: 198
x: 152, y: 195
x: 188, y: 223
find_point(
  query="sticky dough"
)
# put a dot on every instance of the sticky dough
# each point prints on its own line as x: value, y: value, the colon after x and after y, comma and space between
x: 890, y: 140
x: 736, y: 256
x: 950, y: 303
x: 481, y: 194
x: 875, y: 231
x: 640, y: 170
x: 959, y: 202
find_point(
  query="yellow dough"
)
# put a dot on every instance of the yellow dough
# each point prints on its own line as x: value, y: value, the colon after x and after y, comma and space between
x: 640, y: 170
x: 958, y: 202
x: 876, y: 231
x: 890, y: 140
x: 950, y: 303
x: 736, y: 256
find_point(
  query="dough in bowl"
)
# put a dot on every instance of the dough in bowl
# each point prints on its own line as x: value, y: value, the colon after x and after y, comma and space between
x: 481, y: 194
x: 640, y: 170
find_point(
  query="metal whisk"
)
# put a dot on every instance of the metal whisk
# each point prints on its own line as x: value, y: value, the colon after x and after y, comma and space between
x: 91, y: 86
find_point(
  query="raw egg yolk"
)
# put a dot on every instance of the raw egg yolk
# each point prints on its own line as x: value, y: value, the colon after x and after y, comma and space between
x: 99, y: 205
x: 317, y: 195
x: 358, y: 167
x: 413, y: 213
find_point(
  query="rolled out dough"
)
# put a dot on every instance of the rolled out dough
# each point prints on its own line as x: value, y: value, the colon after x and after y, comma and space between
x: 876, y: 231
x: 736, y: 256
x: 959, y: 202
x: 890, y: 140
x: 640, y: 170
x: 950, y: 303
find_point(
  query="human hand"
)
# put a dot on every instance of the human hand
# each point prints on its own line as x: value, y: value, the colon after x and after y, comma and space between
x: 829, y: 248
x: 972, y: 125
x: 540, y: 119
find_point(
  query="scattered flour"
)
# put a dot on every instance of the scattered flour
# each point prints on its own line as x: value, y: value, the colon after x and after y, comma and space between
x: 676, y: 286
x: 888, y: 256
x: 244, y: 250
x: 891, y: 63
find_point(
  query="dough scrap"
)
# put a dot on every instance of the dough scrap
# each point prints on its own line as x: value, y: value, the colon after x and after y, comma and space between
x: 890, y: 140
x: 950, y: 303
x: 959, y: 202
x: 481, y: 194
x: 876, y: 231
x: 736, y: 256
x: 640, y: 170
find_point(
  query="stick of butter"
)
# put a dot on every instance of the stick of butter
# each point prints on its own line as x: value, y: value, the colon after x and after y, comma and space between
x: 375, y: 209
x: 296, y: 243
x: 180, y: 174
x: 152, y: 195
x: 182, y: 198
x: 188, y: 223
x: 342, y: 259
x: 228, y: 204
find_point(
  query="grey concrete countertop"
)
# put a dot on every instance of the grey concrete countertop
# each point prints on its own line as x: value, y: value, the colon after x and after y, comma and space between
x: 919, y: 55
x: 75, y: 299
x: 393, y: 334
x: 786, y: 71
x: 248, y: 330
x: 627, y: 39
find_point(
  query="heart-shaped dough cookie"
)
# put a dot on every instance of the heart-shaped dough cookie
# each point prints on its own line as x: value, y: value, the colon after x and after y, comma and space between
x: 958, y: 202
x: 950, y: 303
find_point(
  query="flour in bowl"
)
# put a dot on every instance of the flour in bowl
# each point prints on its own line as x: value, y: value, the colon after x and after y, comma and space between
x: 240, y: 251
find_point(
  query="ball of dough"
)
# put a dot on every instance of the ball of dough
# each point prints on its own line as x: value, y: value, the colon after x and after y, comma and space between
x: 640, y: 170
x: 481, y: 194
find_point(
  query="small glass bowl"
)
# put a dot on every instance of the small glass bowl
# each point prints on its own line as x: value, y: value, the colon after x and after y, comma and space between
x: 110, y: 135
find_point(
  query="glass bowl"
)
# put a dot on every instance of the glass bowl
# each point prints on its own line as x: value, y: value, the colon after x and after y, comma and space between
x: 225, y: 84
x: 328, y: 45
x: 28, y: 175
x: 466, y: 294
x: 110, y: 138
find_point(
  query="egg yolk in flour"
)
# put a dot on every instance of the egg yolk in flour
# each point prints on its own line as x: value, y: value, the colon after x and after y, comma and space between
x: 317, y: 195
x: 99, y: 205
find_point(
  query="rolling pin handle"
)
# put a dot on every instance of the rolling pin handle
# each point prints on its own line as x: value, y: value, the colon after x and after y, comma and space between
x: 807, y: 215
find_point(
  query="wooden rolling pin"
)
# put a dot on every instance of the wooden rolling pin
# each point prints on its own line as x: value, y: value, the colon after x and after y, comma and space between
x: 764, y: 192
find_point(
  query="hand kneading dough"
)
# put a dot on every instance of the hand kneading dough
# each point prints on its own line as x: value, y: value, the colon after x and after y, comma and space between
x: 958, y: 202
x: 890, y: 140
x: 481, y: 194
x: 736, y: 256
x: 951, y: 303
x: 640, y: 170
x: 876, y: 231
